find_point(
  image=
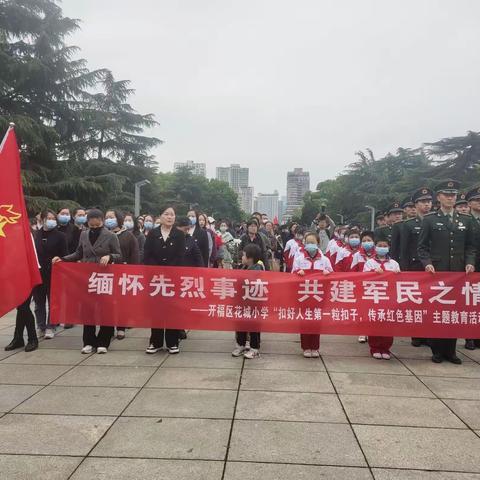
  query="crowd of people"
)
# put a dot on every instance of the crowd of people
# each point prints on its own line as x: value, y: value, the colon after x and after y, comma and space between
x: 429, y: 231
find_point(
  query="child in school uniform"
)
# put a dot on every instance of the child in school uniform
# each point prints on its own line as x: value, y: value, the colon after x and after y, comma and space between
x: 310, y: 257
x: 291, y: 249
x: 381, y: 263
x: 345, y: 254
x: 336, y: 243
x: 251, y: 261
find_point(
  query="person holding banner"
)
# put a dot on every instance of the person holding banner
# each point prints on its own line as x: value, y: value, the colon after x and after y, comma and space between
x: 381, y: 263
x: 309, y: 257
x: 96, y: 245
x: 165, y: 246
x: 292, y: 247
x: 447, y: 244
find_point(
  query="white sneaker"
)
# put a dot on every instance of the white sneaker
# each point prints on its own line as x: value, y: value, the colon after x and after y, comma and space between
x: 120, y: 334
x: 87, y: 349
x: 377, y: 355
x: 173, y: 350
x: 252, y: 353
x: 307, y: 353
x: 386, y: 356
x: 362, y: 339
x: 247, y: 344
x: 101, y: 350
x: 239, y: 351
x: 49, y: 334
x: 315, y: 354
x: 152, y: 349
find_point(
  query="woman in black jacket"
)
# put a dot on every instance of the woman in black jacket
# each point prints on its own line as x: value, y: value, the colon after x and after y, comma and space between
x: 199, y: 235
x: 165, y: 245
x: 49, y: 243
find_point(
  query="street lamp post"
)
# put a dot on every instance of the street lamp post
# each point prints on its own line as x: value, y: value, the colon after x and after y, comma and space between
x: 372, y: 222
x: 138, y: 186
x: 341, y: 217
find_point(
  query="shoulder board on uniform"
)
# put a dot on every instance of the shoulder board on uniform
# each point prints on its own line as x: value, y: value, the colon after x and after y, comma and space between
x: 429, y: 214
x: 409, y: 220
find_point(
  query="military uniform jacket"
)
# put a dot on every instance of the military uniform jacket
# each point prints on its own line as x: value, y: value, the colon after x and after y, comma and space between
x: 409, y: 259
x: 447, y: 245
x: 383, y: 233
x: 476, y: 230
x: 395, y: 240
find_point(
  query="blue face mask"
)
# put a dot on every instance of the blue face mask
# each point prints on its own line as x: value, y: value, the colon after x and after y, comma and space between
x: 111, y: 223
x: 81, y: 220
x: 311, y: 248
x: 50, y: 224
x: 193, y: 220
x: 64, y: 219
x: 382, y: 251
x: 354, y: 242
x: 128, y: 225
x: 148, y: 225
x: 368, y: 245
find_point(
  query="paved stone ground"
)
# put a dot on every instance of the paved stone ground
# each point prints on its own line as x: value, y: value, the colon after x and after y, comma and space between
x: 205, y: 415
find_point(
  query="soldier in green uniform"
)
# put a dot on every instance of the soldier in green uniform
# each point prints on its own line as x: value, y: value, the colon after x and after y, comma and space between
x: 409, y: 212
x: 394, y: 215
x: 473, y: 199
x: 447, y: 244
x: 409, y: 261
x: 461, y: 205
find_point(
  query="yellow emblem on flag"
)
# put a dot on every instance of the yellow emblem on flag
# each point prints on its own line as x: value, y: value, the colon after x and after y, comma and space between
x: 7, y: 216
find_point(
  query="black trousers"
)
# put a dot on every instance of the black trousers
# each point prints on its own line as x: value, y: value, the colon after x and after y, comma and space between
x: 158, y: 334
x: 103, y: 338
x: 241, y: 338
x: 25, y: 320
x: 41, y: 295
x: 444, y: 347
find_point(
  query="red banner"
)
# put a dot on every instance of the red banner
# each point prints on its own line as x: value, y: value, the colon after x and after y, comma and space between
x: 413, y: 304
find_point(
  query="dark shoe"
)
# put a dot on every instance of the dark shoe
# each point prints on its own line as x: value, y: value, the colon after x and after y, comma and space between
x: 470, y: 345
x: 477, y: 343
x: 182, y: 335
x: 416, y: 342
x: 14, y: 344
x: 67, y: 326
x: 31, y: 346
x: 437, y: 359
x: 455, y: 360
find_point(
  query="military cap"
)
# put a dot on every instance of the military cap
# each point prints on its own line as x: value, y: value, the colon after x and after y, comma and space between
x: 422, y: 193
x: 448, y: 186
x: 407, y: 202
x: 394, y: 207
x: 461, y: 199
x: 473, y: 194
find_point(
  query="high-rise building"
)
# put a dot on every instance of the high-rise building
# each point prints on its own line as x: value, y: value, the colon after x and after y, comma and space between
x: 196, y: 168
x: 282, y: 207
x: 268, y: 203
x: 237, y: 177
x: 298, y: 184
x: 245, y: 196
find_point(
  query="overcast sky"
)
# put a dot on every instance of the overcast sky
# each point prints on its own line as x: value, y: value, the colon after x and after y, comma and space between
x: 276, y: 84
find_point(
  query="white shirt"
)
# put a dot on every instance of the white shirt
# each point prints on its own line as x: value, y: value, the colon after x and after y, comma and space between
x: 303, y: 261
x: 389, y: 265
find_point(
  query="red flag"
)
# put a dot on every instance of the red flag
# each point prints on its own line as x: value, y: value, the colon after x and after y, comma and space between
x: 18, y: 261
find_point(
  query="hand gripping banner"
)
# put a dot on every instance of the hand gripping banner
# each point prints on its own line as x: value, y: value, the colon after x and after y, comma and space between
x: 413, y: 304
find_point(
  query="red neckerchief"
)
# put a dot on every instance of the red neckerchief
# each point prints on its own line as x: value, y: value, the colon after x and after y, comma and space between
x: 382, y: 262
x: 370, y: 254
x: 312, y: 260
x: 340, y: 242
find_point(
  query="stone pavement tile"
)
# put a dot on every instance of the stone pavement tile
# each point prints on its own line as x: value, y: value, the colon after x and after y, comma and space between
x: 8, y: 330
x: 126, y: 359
x: 445, y: 369
x: 418, y: 353
x: 203, y: 360
x: 286, y: 381
x: 207, y: 378
x: 467, y: 410
x: 78, y: 401
x: 458, y: 388
x: 30, y: 375
x: 158, y: 402
x: 141, y: 469
x: 419, y: 448
x: 46, y: 356
x: 51, y: 434
x: 99, y: 376
x: 210, y: 335
x: 284, y: 348
x: 344, y: 349
x: 129, y: 343
x: 272, y: 471
x: 4, y: 341
x: 349, y: 339
x: 4, y: 354
x: 385, y: 474
x: 62, y: 343
x: 291, y: 406
x: 178, y: 438
x: 76, y: 331
x: 471, y: 354
x: 280, y: 337
x: 12, y: 395
x: 272, y: 361
x: 206, y: 346
x: 24, y: 467
x: 402, y: 411
x: 364, y: 365
x: 290, y: 442
x: 376, y: 384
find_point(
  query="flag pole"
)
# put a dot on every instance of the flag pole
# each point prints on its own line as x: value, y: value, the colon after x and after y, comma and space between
x: 11, y: 126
